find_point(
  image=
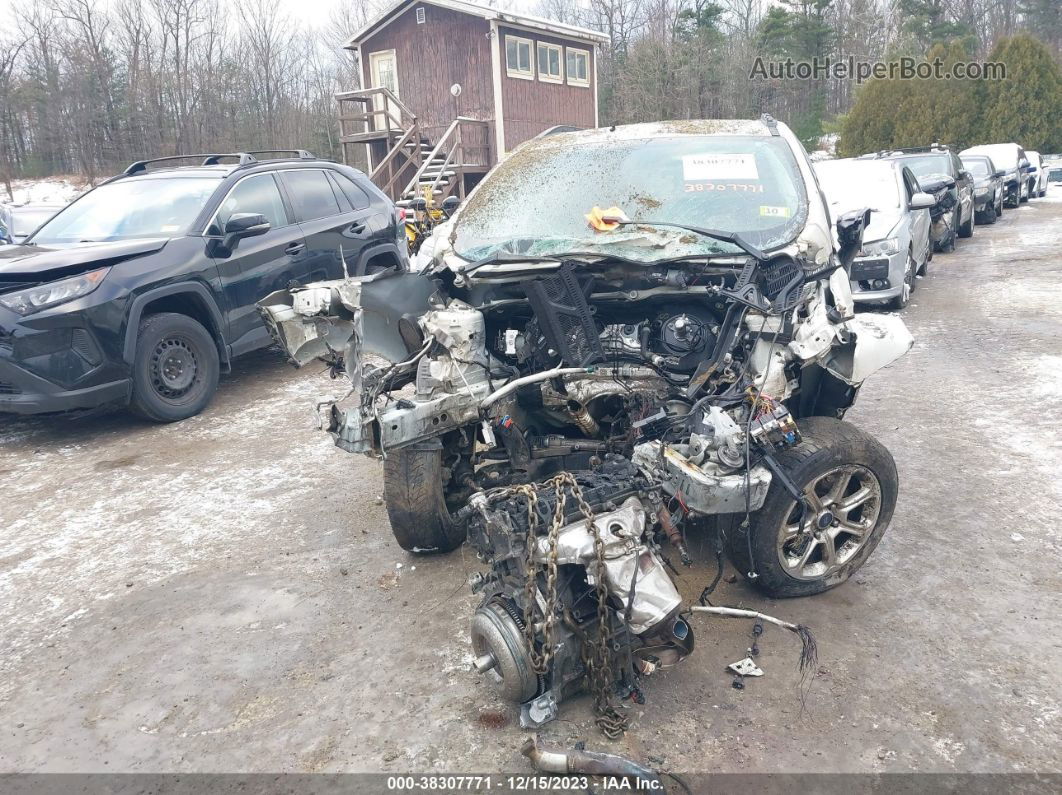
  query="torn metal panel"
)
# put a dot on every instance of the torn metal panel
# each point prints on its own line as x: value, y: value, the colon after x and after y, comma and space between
x: 873, y: 341
x: 319, y: 320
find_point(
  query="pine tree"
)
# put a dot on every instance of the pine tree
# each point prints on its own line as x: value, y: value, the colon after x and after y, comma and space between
x: 1026, y: 107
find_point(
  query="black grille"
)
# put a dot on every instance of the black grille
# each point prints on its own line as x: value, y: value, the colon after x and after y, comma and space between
x: 782, y: 281
x: 862, y: 270
x: 9, y: 389
x: 564, y: 318
x: 83, y: 344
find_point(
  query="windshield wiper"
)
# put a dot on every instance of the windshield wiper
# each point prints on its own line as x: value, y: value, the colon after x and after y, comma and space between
x: 716, y: 234
x: 509, y: 258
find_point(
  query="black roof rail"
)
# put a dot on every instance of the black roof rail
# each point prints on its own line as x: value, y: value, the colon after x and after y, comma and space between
x: 936, y: 146
x: 770, y: 122
x: 300, y: 154
x: 209, y: 159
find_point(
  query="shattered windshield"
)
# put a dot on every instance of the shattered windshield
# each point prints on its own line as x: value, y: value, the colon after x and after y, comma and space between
x: 537, y: 201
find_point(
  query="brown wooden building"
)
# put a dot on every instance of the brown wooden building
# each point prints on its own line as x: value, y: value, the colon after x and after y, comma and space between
x: 452, y: 86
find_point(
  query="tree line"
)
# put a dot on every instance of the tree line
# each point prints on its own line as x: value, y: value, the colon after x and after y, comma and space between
x: 86, y: 87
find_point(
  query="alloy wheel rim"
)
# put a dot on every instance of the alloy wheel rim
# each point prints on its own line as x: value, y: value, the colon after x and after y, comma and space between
x: 845, y: 503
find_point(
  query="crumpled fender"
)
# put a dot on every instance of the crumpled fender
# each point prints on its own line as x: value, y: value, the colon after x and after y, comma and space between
x: 321, y: 318
x: 868, y: 342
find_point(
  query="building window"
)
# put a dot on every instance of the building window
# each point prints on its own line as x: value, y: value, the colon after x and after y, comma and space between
x: 420, y: 15
x: 518, y: 58
x: 578, y: 67
x: 549, y: 63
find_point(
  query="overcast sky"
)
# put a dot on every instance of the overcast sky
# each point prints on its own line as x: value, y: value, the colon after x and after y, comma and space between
x: 313, y: 12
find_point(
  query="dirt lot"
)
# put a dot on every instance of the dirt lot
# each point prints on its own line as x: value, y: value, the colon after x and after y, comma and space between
x: 224, y: 594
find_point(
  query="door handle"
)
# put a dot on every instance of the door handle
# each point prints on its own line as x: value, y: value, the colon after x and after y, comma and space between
x: 295, y: 248
x: 356, y: 228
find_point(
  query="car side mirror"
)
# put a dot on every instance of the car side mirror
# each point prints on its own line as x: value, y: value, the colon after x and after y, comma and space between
x: 964, y: 175
x: 242, y: 225
x: 998, y: 174
x: 239, y: 226
x: 850, y: 228
x: 921, y: 201
x: 1030, y: 168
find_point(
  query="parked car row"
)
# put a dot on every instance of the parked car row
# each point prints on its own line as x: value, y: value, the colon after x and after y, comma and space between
x: 924, y: 199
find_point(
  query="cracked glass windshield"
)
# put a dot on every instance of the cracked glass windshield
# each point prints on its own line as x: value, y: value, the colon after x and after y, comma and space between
x: 537, y: 202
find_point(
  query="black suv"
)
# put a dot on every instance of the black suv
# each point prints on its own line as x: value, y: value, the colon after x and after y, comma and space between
x: 938, y: 160
x: 143, y: 289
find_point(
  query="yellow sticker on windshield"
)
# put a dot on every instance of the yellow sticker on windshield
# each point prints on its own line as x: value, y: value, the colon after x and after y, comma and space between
x: 774, y: 212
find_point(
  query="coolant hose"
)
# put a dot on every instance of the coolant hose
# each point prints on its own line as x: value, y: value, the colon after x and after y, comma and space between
x: 593, y: 763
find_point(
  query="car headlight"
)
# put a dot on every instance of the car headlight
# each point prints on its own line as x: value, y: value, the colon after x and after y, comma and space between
x: 43, y: 296
x: 881, y: 248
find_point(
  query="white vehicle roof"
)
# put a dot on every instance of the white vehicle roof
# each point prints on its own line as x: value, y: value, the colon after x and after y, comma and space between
x: 1003, y: 155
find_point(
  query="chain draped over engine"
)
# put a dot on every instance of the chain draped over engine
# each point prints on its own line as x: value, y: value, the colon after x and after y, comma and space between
x: 576, y: 597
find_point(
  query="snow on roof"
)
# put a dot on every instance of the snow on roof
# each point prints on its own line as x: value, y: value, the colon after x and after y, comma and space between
x: 474, y: 9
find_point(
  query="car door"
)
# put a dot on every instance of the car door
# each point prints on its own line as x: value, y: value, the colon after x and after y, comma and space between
x: 259, y: 265
x: 335, y: 232
x: 919, y: 219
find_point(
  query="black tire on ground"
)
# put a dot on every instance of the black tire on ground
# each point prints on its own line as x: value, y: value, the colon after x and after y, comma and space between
x: 988, y: 217
x: 827, y: 445
x: 416, y: 505
x: 175, y: 370
x: 1042, y: 193
x: 967, y: 229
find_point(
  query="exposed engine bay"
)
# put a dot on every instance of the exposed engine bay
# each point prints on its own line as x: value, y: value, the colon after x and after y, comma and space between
x: 573, y: 419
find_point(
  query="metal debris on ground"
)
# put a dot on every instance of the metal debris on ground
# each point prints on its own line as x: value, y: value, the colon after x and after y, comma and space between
x: 746, y: 667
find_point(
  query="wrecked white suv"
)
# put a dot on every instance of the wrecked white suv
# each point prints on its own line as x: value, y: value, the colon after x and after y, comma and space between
x: 623, y: 335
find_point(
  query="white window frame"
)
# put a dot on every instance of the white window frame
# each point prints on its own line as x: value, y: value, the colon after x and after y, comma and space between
x: 577, y: 81
x: 421, y: 15
x: 531, y: 55
x: 546, y: 77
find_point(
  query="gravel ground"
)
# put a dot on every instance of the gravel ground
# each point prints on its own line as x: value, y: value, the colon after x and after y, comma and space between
x: 224, y: 595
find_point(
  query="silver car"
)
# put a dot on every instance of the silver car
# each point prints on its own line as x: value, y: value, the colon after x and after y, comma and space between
x: 896, y: 246
x: 17, y: 221
x: 1038, y: 181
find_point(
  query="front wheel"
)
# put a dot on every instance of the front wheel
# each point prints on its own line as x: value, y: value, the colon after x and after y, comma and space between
x: 176, y: 368
x: 416, y: 502
x: 990, y: 214
x: 850, y: 482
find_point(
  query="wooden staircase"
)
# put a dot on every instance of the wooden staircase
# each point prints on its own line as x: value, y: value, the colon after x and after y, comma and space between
x: 412, y: 166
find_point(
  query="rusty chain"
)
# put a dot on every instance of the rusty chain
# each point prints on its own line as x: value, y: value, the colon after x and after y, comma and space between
x: 597, y: 658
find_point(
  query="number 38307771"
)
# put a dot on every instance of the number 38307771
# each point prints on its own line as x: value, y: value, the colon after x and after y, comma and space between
x: 698, y: 187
